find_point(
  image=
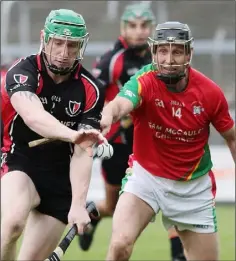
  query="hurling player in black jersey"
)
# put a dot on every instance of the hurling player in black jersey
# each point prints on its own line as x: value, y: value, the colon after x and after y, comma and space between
x: 48, y: 95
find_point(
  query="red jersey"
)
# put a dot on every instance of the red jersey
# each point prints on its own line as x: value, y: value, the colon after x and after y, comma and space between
x: 171, y: 130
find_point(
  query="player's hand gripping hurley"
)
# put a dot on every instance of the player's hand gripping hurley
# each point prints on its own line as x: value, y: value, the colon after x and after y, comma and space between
x: 59, y: 252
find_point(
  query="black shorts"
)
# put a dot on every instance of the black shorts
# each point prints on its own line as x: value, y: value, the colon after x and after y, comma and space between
x: 113, y: 170
x: 52, y: 183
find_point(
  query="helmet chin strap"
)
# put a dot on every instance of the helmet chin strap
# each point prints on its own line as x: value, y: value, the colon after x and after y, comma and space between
x: 171, y: 79
x: 56, y: 70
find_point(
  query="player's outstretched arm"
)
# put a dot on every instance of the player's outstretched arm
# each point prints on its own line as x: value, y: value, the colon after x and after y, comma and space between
x: 114, y: 111
x: 118, y: 108
x: 30, y: 108
x: 126, y: 101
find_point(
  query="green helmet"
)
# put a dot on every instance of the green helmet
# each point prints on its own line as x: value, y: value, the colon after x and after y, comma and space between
x: 141, y: 10
x: 66, y: 25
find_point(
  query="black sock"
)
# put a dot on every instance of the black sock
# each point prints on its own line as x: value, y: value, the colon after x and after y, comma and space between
x: 94, y: 221
x: 176, y: 248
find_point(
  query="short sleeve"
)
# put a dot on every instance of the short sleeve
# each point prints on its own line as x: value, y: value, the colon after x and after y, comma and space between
x: 220, y: 117
x: 133, y: 89
x: 22, y: 76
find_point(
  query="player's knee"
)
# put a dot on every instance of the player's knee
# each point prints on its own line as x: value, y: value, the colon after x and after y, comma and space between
x: 194, y: 254
x: 211, y: 255
x: 201, y: 256
x: 122, y: 245
x: 13, y: 227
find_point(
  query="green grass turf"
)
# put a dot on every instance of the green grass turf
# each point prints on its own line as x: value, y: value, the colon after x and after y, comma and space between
x: 153, y: 244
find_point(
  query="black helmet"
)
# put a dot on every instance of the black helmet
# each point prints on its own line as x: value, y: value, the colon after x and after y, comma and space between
x: 172, y: 33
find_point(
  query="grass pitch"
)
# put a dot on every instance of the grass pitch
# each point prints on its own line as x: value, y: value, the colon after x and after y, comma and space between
x: 153, y: 244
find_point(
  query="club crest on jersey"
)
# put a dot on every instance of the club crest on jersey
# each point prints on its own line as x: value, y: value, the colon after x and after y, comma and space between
x: 73, y: 109
x: 20, y: 78
x: 197, y: 110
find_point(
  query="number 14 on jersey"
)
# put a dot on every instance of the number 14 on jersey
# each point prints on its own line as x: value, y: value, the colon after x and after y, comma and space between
x: 176, y: 112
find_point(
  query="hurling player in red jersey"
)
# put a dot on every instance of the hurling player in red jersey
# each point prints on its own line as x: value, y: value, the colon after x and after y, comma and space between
x: 114, y: 68
x: 172, y: 106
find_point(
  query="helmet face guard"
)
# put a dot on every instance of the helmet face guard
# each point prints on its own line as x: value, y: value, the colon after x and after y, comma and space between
x: 172, y: 33
x: 65, y: 31
x: 76, y: 57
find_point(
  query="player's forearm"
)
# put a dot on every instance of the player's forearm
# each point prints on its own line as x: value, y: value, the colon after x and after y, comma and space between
x: 48, y: 126
x: 80, y: 176
x: 117, y: 108
x: 112, y: 110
